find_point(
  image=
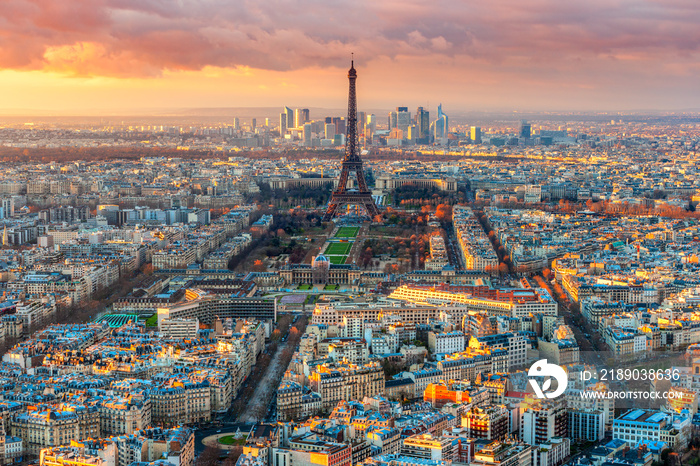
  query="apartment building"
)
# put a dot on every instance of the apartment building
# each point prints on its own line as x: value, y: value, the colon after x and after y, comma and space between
x: 57, y: 425
x: 289, y: 395
x: 540, y: 420
x: 490, y: 422
x: 446, y: 342
x: 124, y: 415
x: 503, y: 453
x: 346, y: 381
x: 428, y: 447
x: 181, y: 402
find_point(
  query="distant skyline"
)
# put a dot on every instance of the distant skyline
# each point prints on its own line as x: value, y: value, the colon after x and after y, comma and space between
x: 127, y: 56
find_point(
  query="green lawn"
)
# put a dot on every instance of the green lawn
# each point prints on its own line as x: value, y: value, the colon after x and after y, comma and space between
x: 337, y: 259
x: 304, y: 287
x: 330, y: 287
x: 117, y: 320
x: 152, y: 321
x: 229, y: 440
x: 338, y: 249
x: 347, y: 232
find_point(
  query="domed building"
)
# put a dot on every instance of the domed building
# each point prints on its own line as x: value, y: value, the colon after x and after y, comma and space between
x: 320, y: 268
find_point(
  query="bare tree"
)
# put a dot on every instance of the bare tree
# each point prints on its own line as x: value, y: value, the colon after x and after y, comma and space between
x: 209, y: 457
x: 233, y: 454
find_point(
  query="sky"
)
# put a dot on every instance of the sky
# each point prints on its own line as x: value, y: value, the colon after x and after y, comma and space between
x: 123, y: 56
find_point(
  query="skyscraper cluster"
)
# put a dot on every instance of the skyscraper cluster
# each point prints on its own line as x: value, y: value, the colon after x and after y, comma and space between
x: 403, y: 127
x: 419, y: 129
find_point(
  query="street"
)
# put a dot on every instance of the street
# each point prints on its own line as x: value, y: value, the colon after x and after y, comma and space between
x: 264, y: 391
x: 226, y: 427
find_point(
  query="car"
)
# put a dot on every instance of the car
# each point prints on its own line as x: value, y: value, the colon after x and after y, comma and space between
x: 218, y: 431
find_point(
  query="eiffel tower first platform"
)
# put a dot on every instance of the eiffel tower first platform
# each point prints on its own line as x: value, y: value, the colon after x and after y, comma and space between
x: 351, y: 163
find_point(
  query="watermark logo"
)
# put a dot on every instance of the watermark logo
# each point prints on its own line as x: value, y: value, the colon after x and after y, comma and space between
x: 543, y: 369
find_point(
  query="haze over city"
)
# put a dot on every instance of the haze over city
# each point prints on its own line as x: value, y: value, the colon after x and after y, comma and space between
x: 120, y: 56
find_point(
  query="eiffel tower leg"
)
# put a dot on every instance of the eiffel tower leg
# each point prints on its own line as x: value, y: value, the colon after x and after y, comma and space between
x: 372, y: 210
x: 330, y: 212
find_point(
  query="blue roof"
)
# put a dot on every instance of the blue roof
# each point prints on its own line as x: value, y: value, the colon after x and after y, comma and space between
x: 634, y: 415
x: 615, y: 443
x: 652, y: 445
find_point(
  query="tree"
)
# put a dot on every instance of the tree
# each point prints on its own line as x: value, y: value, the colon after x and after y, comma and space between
x: 259, y: 266
x: 502, y: 268
x: 209, y: 457
x: 443, y: 212
x: 546, y: 273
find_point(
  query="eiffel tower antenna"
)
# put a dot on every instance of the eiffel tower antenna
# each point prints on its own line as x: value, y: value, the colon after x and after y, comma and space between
x: 351, y: 162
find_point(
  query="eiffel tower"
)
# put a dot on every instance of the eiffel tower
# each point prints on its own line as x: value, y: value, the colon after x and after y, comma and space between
x: 351, y: 162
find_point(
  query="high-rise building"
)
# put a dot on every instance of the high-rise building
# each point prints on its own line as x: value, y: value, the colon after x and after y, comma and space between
x: 307, y: 134
x: 440, y: 127
x: 370, y: 127
x: 361, y: 118
x: 423, y: 126
x: 283, y: 124
x: 412, y: 134
x: 476, y: 135
x: 329, y: 131
x: 442, y: 116
x: 236, y: 123
x: 253, y: 123
x: 290, y: 117
x: 372, y: 122
x: 525, y: 129
x: 339, y: 123
x: 437, y: 129
x: 393, y: 120
x: 302, y: 116
x: 397, y: 135
x: 403, y: 119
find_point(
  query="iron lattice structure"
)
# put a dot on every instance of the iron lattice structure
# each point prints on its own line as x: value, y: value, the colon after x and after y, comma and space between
x: 351, y: 163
